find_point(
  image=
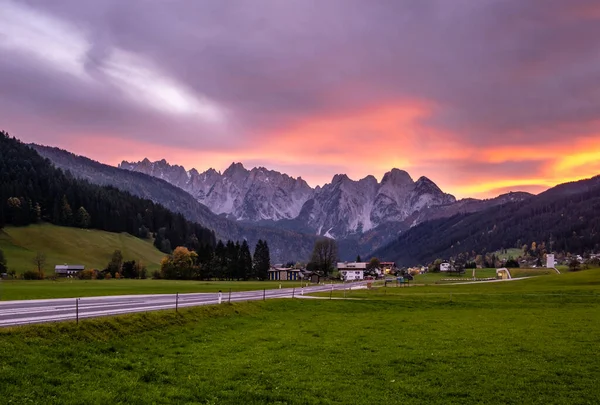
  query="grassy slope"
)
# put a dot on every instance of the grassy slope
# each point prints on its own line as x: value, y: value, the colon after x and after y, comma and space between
x: 61, y: 245
x: 25, y: 290
x: 325, y: 352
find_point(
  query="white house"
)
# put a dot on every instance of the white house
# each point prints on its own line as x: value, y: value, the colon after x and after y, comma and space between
x: 445, y: 266
x: 350, y: 271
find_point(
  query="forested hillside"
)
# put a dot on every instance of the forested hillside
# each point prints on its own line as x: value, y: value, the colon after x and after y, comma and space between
x: 33, y: 190
x: 566, y: 218
x: 284, y: 244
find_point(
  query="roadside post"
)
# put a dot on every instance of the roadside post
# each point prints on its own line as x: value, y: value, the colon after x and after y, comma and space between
x: 331, y: 291
x: 293, y: 292
x: 176, y: 302
x: 264, y: 294
x: 220, y: 296
x: 77, y: 311
x: 229, y: 301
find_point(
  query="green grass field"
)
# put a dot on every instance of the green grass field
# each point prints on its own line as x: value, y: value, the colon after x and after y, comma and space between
x: 64, y: 288
x: 485, y: 344
x: 89, y: 247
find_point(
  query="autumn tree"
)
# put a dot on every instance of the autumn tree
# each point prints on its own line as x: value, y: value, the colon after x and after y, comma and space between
x: 116, y: 262
x: 180, y: 265
x: 39, y: 260
x: 324, y: 255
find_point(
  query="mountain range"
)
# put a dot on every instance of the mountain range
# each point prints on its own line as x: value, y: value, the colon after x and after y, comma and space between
x: 339, y: 209
x: 396, y: 218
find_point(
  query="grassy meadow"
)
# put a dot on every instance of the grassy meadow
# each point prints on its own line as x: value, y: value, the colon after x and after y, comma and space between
x: 484, y: 343
x: 90, y: 247
x: 69, y: 288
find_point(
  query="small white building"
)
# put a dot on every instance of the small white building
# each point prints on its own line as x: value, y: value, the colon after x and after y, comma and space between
x: 350, y: 271
x: 445, y: 266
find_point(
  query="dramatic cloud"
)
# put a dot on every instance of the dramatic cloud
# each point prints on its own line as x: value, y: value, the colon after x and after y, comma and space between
x: 481, y: 96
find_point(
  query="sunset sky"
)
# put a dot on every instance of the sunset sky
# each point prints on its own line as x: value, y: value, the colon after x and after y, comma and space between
x: 481, y: 96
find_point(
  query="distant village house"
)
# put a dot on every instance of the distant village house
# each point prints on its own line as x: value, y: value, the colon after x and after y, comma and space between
x: 66, y: 270
x: 350, y: 271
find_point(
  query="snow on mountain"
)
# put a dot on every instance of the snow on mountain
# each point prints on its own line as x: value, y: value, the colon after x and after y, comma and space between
x: 250, y: 195
x: 337, y: 209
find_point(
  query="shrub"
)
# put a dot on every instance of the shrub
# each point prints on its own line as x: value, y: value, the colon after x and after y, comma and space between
x: 86, y: 275
x: 33, y: 275
x: 107, y: 276
x: 574, y: 265
x: 156, y: 275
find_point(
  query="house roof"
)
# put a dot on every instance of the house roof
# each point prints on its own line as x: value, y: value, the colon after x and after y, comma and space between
x: 69, y: 267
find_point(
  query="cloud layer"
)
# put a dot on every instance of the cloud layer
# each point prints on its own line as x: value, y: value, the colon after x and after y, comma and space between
x: 480, y: 96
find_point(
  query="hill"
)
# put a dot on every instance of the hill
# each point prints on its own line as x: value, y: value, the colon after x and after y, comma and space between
x: 565, y: 218
x: 90, y: 247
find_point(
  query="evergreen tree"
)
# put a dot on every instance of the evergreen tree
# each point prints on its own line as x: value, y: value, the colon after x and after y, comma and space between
x: 358, y: 259
x: 83, y: 219
x: 261, y: 261
x: 245, y: 261
x: 66, y: 214
x: 3, y: 265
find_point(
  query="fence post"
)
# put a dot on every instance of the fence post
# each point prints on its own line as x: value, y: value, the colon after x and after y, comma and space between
x: 264, y: 294
x: 293, y: 292
x: 177, y: 302
x: 77, y: 311
x: 229, y: 300
x: 331, y: 292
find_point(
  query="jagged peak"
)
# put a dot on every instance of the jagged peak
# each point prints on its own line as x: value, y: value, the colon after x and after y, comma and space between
x: 235, y: 167
x: 338, y: 178
x: 144, y: 161
x: 397, y: 177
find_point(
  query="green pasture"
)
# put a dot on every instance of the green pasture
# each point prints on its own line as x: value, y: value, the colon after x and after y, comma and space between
x: 483, y: 344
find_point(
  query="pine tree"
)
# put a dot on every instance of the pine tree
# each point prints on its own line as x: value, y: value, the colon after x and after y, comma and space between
x: 3, y: 266
x: 66, y: 213
x: 262, y: 261
x: 83, y: 219
x: 245, y: 259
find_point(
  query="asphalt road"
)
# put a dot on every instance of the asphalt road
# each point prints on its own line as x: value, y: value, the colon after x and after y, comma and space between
x: 22, y: 312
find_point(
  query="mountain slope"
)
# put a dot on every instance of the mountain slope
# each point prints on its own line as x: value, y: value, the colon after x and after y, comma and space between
x: 32, y: 190
x: 566, y: 218
x: 284, y: 244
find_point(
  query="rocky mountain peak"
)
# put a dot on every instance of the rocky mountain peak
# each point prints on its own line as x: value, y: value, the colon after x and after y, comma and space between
x: 397, y: 177
x: 235, y: 168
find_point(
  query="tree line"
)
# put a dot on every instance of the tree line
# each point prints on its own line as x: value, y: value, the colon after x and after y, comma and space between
x: 226, y: 261
x: 33, y: 190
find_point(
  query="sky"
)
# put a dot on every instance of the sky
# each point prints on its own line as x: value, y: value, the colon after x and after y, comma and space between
x: 483, y: 97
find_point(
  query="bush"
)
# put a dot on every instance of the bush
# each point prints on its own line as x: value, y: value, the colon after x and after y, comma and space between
x: 86, y: 275
x: 156, y: 275
x: 574, y: 265
x: 107, y: 276
x: 33, y: 275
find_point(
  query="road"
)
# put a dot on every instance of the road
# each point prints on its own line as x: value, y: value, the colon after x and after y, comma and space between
x: 23, y: 312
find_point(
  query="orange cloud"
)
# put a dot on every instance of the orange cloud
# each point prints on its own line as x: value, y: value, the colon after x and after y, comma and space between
x: 373, y: 141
